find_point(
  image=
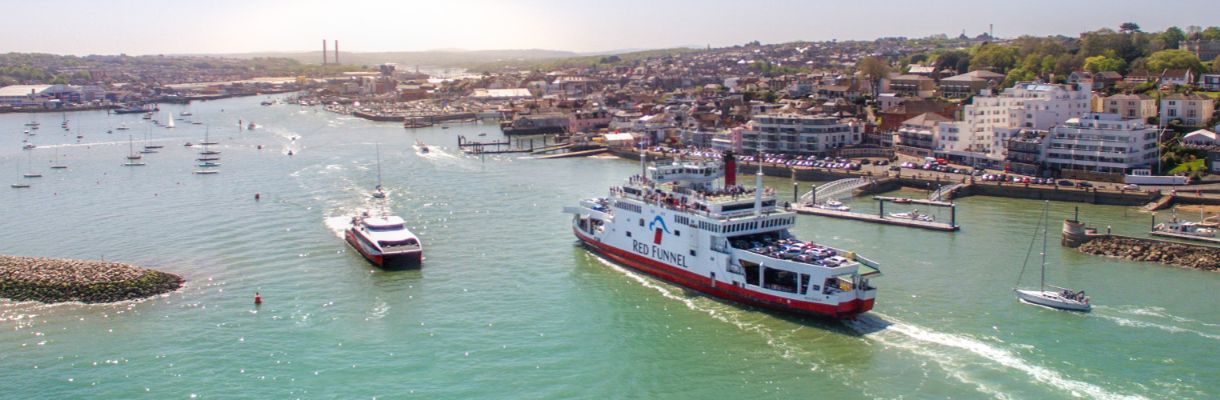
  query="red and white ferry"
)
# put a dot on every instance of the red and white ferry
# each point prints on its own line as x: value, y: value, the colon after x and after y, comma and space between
x: 729, y: 242
x: 385, y: 241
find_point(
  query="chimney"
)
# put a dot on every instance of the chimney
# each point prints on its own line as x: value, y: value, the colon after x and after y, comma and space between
x: 336, y: 52
x: 323, y: 52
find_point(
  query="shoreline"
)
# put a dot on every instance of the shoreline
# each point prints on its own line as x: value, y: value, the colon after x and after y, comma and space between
x: 57, y: 280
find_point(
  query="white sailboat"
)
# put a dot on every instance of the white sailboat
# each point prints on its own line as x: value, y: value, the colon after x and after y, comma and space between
x: 1058, y: 297
x: 379, y: 191
x: 55, y: 164
x: 208, y: 159
x: 133, y: 159
x: 29, y: 173
x: 19, y: 185
x: 169, y: 124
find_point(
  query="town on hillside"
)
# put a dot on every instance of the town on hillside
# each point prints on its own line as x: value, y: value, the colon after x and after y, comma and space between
x: 1100, y: 106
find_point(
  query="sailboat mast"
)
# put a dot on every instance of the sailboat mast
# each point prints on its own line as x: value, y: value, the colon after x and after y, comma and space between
x: 1046, y: 227
x: 378, y: 166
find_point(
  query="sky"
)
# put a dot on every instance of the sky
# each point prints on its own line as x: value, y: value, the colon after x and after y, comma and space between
x: 138, y: 27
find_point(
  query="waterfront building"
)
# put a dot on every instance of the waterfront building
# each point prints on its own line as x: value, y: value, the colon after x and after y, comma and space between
x: 728, y: 140
x: 1101, y: 143
x: 969, y: 84
x: 1026, y: 151
x: 1130, y: 106
x: 1190, y: 109
x: 799, y: 134
x: 590, y: 120
x: 910, y: 85
x: 1209, y: 82
x: 991, y: 119
x: 918, y: 136
x: 1206, y: 50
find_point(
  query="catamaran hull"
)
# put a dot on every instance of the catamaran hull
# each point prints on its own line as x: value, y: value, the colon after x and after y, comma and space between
x: 721, y: 290
x: 386, y: 261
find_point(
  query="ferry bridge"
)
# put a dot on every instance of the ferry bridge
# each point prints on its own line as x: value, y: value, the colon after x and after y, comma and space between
x: 945, y: 192
x: 835, y: 189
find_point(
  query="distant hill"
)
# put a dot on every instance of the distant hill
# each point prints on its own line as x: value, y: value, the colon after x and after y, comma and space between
x: 435, y: 58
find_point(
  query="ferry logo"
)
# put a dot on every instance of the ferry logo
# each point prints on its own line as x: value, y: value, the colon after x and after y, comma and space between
x: 656, y: 237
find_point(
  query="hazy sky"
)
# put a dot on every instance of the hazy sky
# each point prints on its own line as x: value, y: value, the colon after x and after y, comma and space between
x: 228, y: 26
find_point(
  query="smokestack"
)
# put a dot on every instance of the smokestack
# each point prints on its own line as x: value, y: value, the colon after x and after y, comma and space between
x: 323, y: 52
x: 730, y: 169
x: 336, y: 52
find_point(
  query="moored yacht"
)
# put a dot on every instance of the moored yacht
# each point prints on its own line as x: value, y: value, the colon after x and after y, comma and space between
x: 729, y: 242
x: 384, y: 241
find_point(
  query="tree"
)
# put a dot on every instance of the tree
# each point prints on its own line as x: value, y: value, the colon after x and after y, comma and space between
x: 1129, y: 27
x: 1018, y: 75
x: 1216, y: 65
x: 874, y: 69
x: 1102, y: 63
x: 993, y: 57
x: 1211, y: 33
x: 958, y: 60
x: 1174, y: 59
x: 1172, y: 37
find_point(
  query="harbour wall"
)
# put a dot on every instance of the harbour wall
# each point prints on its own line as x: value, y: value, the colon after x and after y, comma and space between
x: 1089, y: 241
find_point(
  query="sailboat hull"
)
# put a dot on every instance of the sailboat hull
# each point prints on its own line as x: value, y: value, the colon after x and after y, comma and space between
x: 1052, y: 299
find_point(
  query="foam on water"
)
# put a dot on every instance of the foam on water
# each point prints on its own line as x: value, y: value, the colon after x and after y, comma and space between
x: 917, y: 339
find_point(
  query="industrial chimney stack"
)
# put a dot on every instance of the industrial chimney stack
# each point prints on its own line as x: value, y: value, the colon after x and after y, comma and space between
x: 323, y: 52
x: 336, y: 52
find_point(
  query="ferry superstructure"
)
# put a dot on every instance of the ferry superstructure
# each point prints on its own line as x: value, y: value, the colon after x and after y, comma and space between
x: 729, y: 242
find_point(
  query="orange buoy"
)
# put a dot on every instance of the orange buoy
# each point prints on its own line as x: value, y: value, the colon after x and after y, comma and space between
x: 258, y: 299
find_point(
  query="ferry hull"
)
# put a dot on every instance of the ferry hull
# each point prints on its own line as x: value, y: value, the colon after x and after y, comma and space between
x: 384, y: 261
x: 721, y: 290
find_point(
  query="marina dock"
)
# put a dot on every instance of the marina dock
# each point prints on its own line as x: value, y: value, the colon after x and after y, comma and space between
x: 879, y: 218
x: 904, y: 200
x: 1211, y: 240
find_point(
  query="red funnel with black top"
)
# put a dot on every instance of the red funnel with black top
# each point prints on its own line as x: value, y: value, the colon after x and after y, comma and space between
x: 730, y: 169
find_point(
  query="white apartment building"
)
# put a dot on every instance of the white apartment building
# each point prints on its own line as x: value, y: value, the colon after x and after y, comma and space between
x: 799, y: 134
x: 991, y: 120
x: 1105, y: 143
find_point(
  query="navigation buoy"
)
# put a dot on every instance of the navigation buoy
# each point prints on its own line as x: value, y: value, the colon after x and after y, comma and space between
x: 258, y: 299
x: 257, y: 196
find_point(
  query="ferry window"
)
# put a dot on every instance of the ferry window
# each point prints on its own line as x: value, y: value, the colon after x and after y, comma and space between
x: 805, y: 283
x: 692, y: 254
x: 751, y: 272
x: 641, y: 222
x: 780, y: 280
x: 628, y: 233
x: 677, y: 232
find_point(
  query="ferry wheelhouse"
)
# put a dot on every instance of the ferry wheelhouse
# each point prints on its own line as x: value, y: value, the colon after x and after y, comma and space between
x: 385, y: 241
x: 727, y: 241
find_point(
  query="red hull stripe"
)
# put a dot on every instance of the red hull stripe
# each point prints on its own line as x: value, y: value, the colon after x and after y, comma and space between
x: 724, y: 290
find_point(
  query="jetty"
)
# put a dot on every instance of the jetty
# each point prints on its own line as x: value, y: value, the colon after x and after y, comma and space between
x: 1187, y: 255
x: 505, y: 146
x: 881, y: 218
x: 54, y: 280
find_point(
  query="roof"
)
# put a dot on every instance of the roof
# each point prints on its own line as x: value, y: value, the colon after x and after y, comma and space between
x: 1128, y: 96
x: 22, y: 90
x: 921, y: 69
x: 1176, y: 73
x: 926, y: 119
x: 980, y: 75
x: 1180, y: 96
x: 1199, y: 135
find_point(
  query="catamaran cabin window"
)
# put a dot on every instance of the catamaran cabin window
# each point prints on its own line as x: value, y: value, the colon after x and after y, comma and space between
x: 381, y: 228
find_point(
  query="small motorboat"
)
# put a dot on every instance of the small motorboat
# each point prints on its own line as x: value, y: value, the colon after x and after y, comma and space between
x: 834, y: 205
x: 188, y: 144
x: 914, y: 215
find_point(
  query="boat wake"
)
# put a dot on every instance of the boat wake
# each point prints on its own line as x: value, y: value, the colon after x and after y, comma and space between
x: 1152, y: 325
x: 779, y: 341
x: 933, y: 345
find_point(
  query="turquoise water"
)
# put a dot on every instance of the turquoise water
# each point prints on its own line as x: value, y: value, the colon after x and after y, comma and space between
x: 507, y: 306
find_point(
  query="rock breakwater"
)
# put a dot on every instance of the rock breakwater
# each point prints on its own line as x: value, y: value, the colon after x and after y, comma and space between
x: 53, y: 280
x: 1182, y: 255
